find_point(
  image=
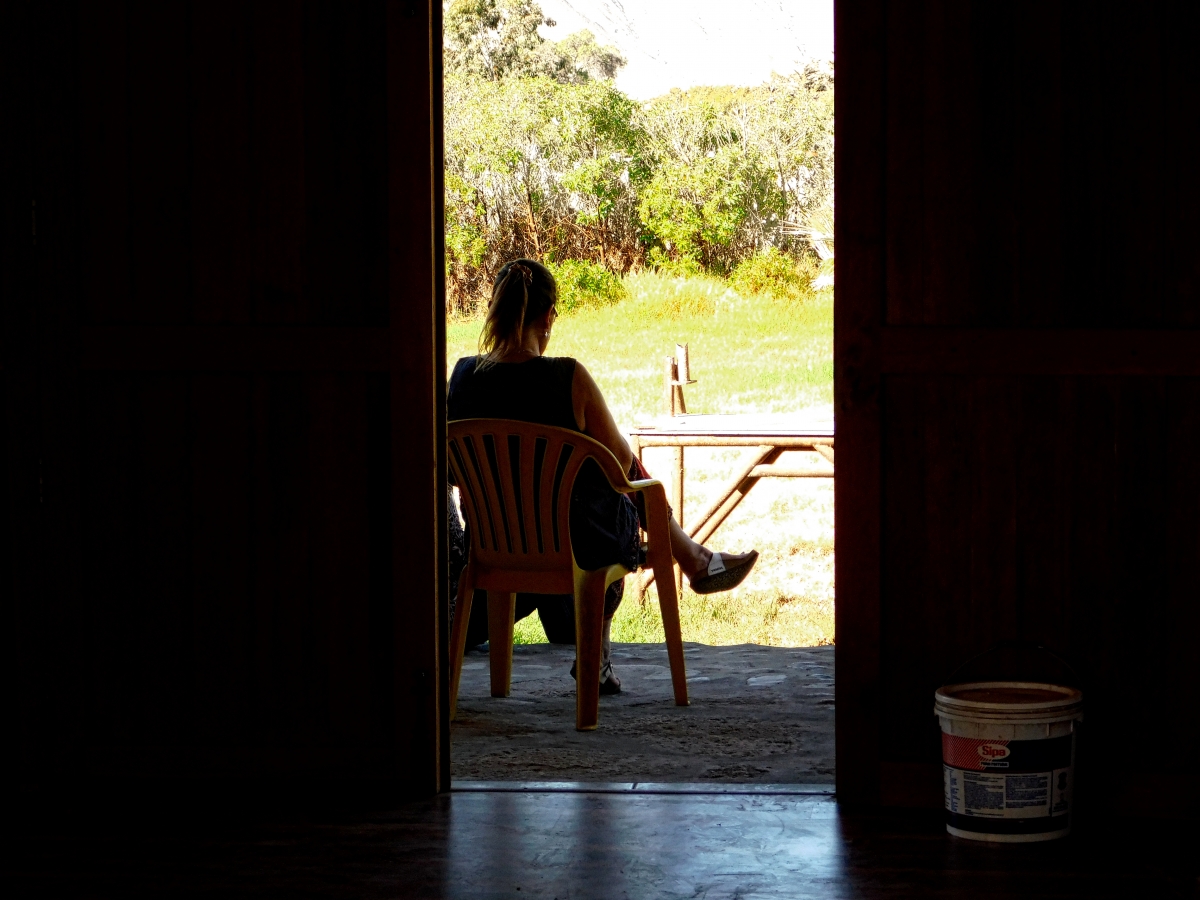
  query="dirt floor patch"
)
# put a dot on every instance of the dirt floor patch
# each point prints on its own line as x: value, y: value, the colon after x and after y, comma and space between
x: 758, y: 715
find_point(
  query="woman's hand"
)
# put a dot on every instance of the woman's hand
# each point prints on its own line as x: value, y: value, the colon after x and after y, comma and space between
x: 593, y: 417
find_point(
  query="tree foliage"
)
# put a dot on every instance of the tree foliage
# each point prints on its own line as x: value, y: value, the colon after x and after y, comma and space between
x: 736, y: 170
x: 546, y: 158
x: 493, y: 39
x: 497, y: 39
x: 580, y: 57
x: 542, y: 169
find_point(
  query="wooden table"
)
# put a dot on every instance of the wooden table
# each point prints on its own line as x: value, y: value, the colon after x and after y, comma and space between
x: 771, y: 435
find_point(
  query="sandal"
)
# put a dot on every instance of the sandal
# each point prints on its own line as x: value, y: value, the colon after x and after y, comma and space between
x: 721, y: 576
x: 609, y: 682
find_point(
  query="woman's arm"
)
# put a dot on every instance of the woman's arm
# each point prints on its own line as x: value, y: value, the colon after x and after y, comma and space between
x: 593, y: 416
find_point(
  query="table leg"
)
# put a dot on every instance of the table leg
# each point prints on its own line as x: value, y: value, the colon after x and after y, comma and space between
x: 703, y: 528
x: 677, y: 500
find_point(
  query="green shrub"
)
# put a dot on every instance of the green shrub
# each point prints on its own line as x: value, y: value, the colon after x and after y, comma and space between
x: 585, y: 285
x: 660, y: 298
x: 660, y: 261
x: 770, y: 272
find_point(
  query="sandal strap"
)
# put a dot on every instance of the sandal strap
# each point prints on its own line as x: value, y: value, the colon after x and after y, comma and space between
x: 606, y: 669
x: 716, y: 564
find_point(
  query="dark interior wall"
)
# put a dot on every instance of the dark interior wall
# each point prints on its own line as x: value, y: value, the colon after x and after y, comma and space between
x: 233, y: 164
x: 222, y: 408
x: 1018, y: 377
x: 1040, y: 166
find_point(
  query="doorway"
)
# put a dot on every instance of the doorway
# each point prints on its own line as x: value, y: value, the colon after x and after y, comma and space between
x: 753, y: 305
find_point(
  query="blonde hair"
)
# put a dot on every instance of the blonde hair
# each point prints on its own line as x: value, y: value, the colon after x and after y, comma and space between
x: 522, y: 292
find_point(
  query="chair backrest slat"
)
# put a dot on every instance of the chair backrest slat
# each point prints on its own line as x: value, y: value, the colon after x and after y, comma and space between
x: 541, y: 510
x: 565, y: 452
x: 499, y: 485
x: 477, y: 490
x: 515, y: 481
x: 520, y: 454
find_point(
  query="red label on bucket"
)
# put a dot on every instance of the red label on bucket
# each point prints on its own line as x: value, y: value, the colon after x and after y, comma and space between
x: 971, y: 753
x: 986, y: 755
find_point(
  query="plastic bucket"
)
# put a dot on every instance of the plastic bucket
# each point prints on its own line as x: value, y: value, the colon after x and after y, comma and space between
x: 1008, y: 758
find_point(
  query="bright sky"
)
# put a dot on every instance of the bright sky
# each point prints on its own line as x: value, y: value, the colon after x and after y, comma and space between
x: 682, y: 43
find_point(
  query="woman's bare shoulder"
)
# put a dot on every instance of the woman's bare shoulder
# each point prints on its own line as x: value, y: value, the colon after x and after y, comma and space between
x: 582, y: 374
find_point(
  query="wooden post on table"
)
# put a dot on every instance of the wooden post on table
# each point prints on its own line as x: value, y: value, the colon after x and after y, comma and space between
x: 683, y: 366
x: 670, y: 380
x: 677, y: 372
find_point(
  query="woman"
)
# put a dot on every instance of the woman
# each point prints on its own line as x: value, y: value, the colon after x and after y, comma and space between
x: 512, y: 378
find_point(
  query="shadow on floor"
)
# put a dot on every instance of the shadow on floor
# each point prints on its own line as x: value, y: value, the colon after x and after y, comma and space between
x: 758, y: 715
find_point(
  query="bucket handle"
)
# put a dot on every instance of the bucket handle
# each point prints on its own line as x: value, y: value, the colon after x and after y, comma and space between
x: 1014, y: 644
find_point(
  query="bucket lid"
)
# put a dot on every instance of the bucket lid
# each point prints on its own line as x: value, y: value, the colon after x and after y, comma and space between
x: 1019, y: 700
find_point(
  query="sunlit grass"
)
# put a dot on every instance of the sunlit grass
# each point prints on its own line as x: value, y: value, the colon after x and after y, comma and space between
x: 748, y: 355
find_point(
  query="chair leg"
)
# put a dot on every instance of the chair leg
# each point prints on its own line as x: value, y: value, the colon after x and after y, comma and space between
x: 668, y: 598
x: 458, y: 636
x: 589, y: 647
x: 502, y: 607
x: 668, y: 604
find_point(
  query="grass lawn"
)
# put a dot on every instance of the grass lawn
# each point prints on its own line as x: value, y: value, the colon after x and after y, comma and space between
x: 748, y: 355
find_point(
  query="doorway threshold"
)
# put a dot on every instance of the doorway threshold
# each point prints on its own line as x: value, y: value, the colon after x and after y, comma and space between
x: 639, y: 787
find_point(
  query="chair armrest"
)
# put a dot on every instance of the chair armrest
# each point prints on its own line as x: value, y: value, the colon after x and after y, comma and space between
x: 617, y: 479
x: 658, y: 515
x: 656, y: 501
x: 639, y: 485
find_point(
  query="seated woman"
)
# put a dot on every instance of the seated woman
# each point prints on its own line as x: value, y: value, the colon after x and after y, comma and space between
x: 512, y: 378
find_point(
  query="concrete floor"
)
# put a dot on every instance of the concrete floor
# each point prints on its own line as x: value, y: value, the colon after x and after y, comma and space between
x: 758, y: 715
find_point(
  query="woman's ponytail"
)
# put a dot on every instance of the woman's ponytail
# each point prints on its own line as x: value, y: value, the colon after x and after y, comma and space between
x: 522, y: 292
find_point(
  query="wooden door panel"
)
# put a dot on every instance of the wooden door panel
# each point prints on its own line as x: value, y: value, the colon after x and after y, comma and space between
x: 345, y: 153
x: 134, y: 569
x: 1015, y: 377
x: 232, y: 582
x: 223, y: 460
x: 104, y: 174
x: 1018, y: 195
x: 239, y: 179
x: 223, y: 174
x: 226, y: 556
x: 157, y: 92
x: 1051, y: 510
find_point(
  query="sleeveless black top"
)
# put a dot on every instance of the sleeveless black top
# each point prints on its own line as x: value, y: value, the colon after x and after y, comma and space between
x: 604, y: 524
